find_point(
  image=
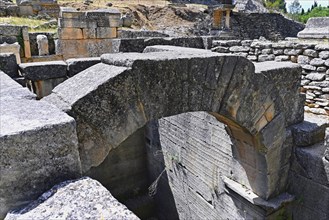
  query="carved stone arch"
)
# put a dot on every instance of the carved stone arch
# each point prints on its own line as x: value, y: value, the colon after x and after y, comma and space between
x: 111, y: 100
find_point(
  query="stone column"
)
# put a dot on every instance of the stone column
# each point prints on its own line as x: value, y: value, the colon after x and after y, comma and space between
x: 42, y: 42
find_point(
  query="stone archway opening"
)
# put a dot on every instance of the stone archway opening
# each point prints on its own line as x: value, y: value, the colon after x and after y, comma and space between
x: 113, y: 99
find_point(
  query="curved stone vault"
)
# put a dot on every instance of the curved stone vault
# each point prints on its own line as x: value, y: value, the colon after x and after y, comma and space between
x: 111, y: 100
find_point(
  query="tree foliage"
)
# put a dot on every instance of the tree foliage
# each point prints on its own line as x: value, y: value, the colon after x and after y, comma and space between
x: 279, y: 5
x: 318, y: 11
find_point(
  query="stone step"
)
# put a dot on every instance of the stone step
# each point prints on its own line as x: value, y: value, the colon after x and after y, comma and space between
x: 311, y: 130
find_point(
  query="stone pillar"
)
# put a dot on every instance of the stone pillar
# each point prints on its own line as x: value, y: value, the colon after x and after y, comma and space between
x: 42, y: 42
x: 227, y: 19
x: 26, y: 39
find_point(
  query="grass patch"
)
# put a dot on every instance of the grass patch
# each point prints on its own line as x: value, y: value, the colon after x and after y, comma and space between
x: 30, y: 22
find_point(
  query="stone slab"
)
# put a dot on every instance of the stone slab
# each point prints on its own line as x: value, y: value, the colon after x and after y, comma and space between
x: 38, y: 145
x: 43, y: 70
x: 77, y: 65
x: 84, y: 198
x: 76, y: 23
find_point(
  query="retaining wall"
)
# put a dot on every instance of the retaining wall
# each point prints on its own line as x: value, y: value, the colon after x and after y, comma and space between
x: 313, y: 58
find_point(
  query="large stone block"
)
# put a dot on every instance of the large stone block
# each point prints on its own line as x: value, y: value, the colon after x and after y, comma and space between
x: 316, y: 28
x: 76, y: 66
x: 38, y: 146
x: 10, y: 30
x: 70, y: 33
x: 72, y: 13
x: 84, y: 198
x: 8, y: 64
x: 310, y: 163
x: 43, y: 70
x: 311, y: 130
x: 310, y: 198
x: 76, y: 23
x: 106, y: 32
x: 87, y: 47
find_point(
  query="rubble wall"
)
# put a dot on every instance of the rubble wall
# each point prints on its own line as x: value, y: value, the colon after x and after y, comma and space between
x: 312, y: 57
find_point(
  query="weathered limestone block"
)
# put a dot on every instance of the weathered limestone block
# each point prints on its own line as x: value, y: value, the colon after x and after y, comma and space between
x: 43, y: 47
x: 323, y: 84
x: 321, y: 69
x: 310, y: 162
x: 43, y: 70
x: 71, y: 13
x: 263, y: 58
x: 292, y: 52
x: 70, y: 33
x: 316, y: 76
x: 303, y: 59
x: 317, y: 62
x: 84, y: 198
x: 281, y: 58
x: 106, y: 32
x: 308, y: 67
x: 122, y: 91
x: 311, y: 130
x: 326, y: 63
x: 239, y: 49
x: 324, y: 55
x: 77, y: 65
x: 322, y: 47
x: 76, y: 23
x: 220, y: 49
x: 278, y: 51
x: 309, y: 198
x: 8, y: 64
x: 38, y: 146
x: 87, y: 47
x: 226, y: 43
x: 316, y: 28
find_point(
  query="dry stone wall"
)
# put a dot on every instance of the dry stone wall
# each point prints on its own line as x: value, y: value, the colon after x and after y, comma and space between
x: 312, y: 57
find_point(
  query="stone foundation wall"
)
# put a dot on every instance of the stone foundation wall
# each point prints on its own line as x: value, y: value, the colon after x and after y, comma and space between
x: 87, y: 34
x: 269, y: 25
x: 313, y: 58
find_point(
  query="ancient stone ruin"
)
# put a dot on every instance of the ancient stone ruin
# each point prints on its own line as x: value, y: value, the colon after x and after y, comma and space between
x: 152, y: 126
